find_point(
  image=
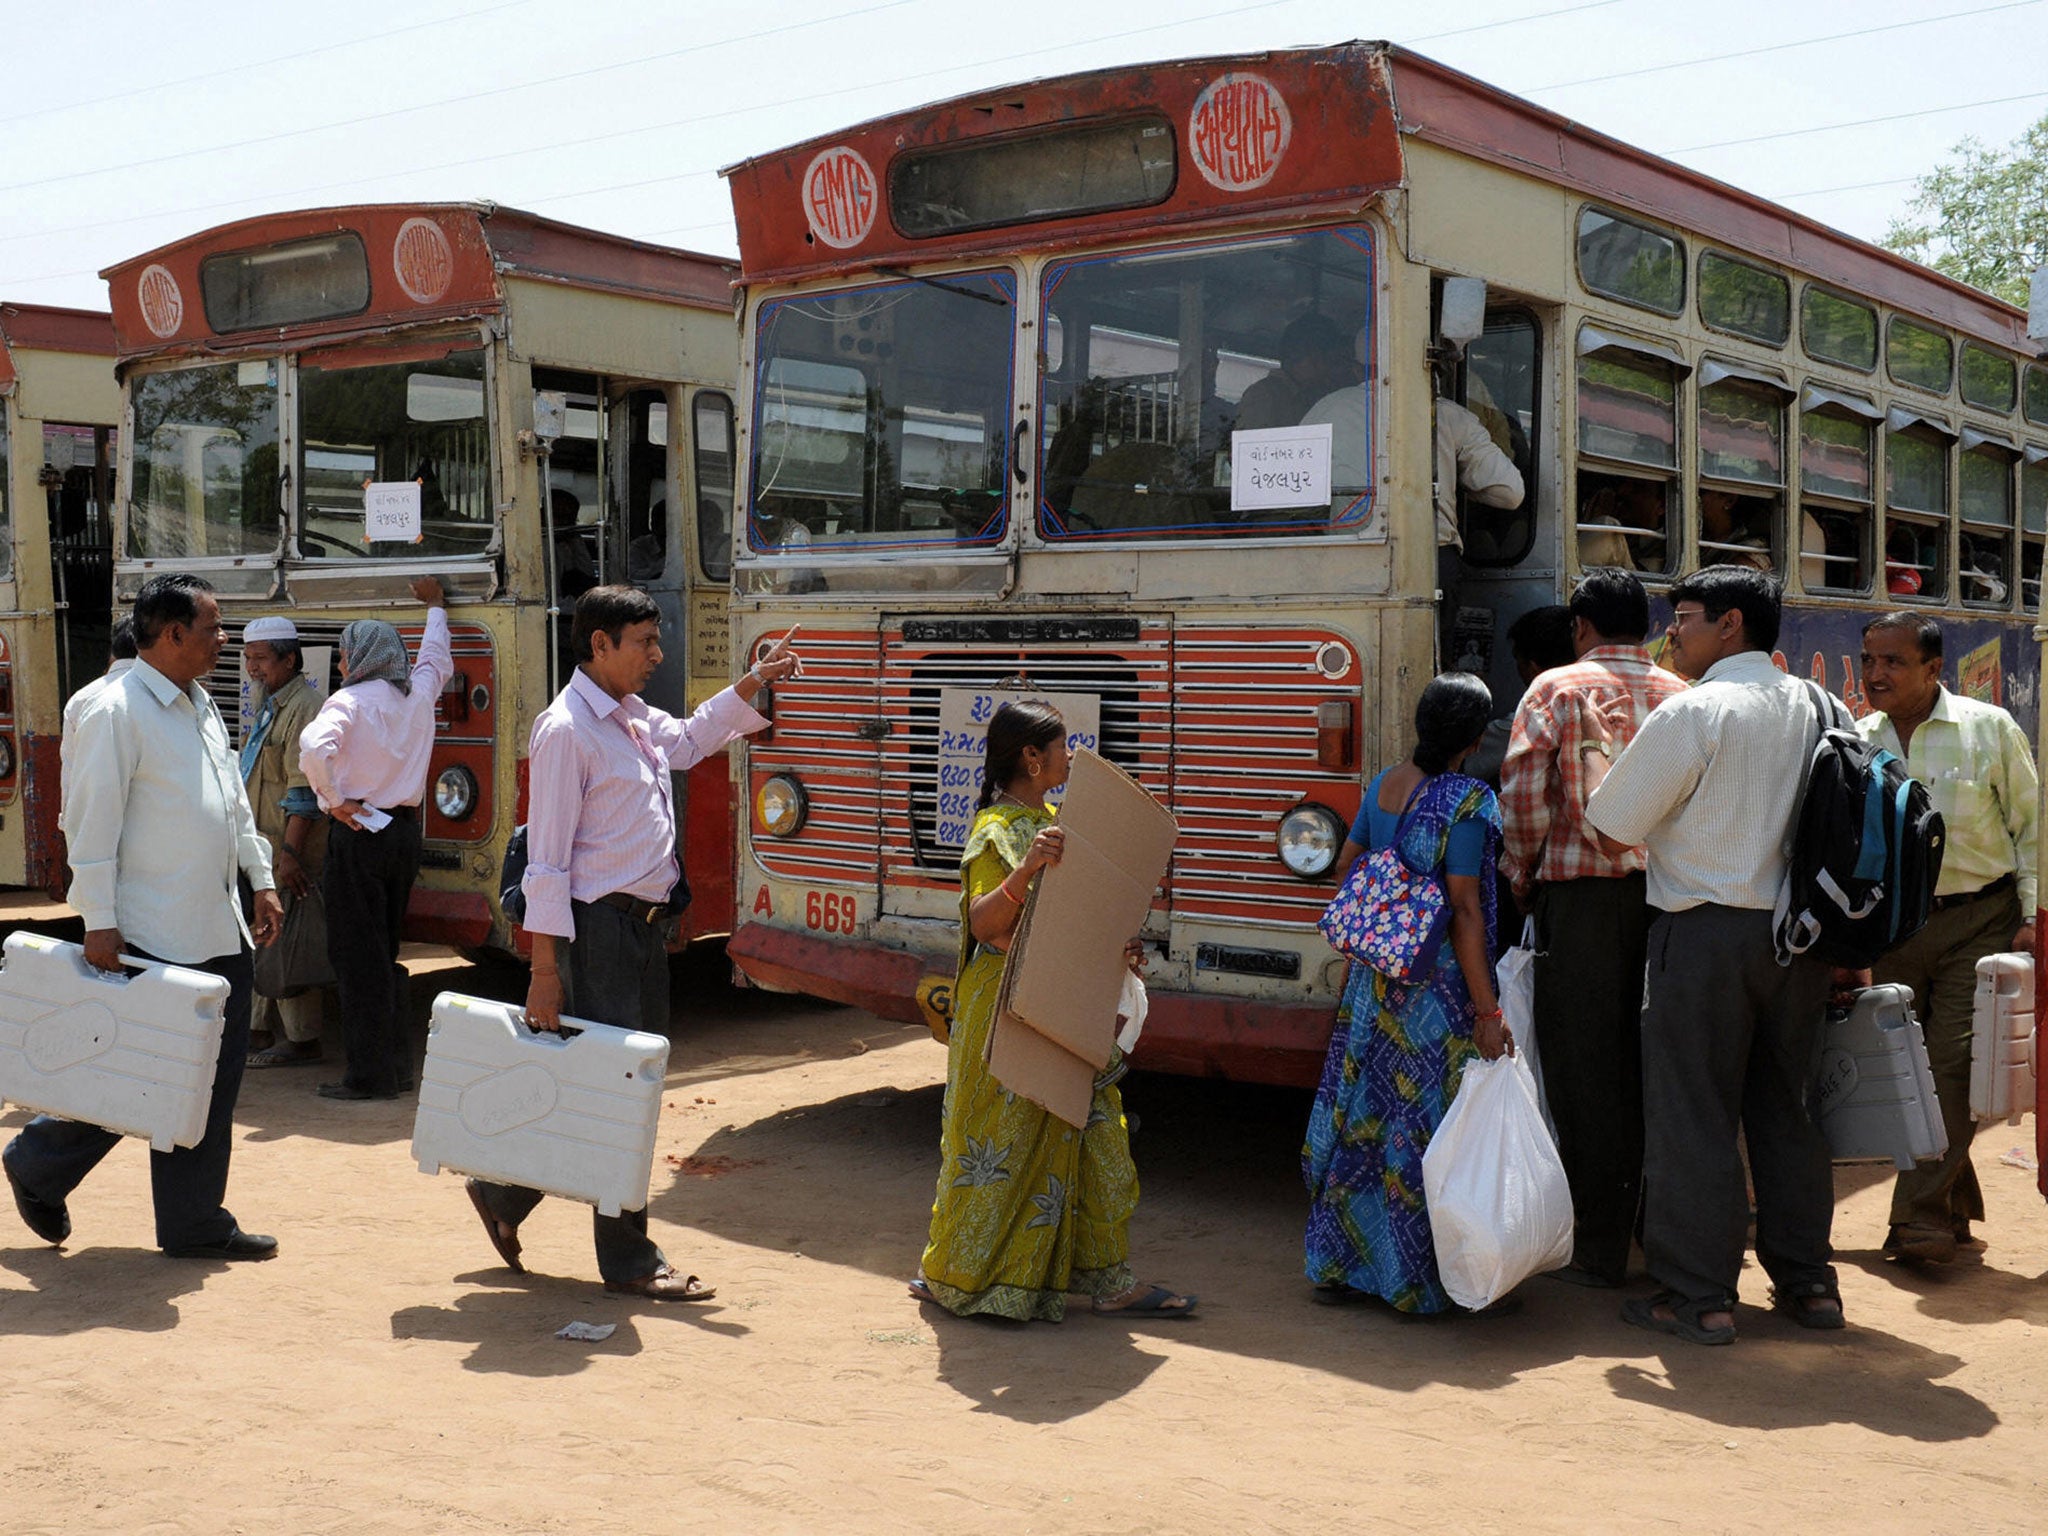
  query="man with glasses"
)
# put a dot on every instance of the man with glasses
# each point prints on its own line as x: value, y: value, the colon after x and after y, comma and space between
x: 1709, y: 787
x: 1974, y: 760
x: 1591, y: 914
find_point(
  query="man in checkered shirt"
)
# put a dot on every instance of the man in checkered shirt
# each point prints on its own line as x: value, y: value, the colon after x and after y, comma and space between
x: 1592, y: 918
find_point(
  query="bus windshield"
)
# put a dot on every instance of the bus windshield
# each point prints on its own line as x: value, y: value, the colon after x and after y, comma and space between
x: 420, y: 419
x: 1153, y: 362
x: 206, y: 464
x: 882, y: 415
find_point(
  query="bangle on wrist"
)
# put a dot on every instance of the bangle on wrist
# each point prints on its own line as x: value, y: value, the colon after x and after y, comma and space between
x: 549, y: 972
x: 1004, y: 888
x: 1484, y: 1017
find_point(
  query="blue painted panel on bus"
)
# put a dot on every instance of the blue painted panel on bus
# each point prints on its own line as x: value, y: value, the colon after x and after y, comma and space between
x: 1994, y: 659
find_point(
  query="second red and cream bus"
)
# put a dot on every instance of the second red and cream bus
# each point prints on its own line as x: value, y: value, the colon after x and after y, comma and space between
x: 321, y: 405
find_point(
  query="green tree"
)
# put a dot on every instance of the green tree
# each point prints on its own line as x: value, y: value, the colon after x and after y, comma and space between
x: 1983, y: 216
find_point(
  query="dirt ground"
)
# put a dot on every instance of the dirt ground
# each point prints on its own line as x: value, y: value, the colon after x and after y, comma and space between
x: 385, y: 1374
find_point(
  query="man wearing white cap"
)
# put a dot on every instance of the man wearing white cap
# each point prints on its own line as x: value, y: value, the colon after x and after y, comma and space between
x: 288, y: 816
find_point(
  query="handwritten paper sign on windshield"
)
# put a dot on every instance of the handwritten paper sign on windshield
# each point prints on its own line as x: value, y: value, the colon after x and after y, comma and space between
x: 964, y: 714
x: 1280, y: 467
x: 391, y: 512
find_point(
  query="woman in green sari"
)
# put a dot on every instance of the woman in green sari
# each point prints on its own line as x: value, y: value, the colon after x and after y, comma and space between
x: 1029, y: 1209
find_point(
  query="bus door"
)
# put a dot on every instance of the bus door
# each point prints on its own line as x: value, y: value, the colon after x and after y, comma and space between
x: 78, y: 478
x: 1512, y: 559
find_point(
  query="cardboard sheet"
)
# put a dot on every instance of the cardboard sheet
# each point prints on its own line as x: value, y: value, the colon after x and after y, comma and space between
x: 1056, y: 1014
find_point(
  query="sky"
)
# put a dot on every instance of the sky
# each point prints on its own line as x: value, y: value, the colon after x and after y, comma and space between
x: 128, y: 124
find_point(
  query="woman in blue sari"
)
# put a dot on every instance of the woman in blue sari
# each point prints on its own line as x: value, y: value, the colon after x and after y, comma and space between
x: 1399, y: 1049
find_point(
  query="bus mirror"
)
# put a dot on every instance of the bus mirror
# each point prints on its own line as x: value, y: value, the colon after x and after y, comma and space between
x: 2037, y: 305
x: 1462, y: 317
x: 550, y: 414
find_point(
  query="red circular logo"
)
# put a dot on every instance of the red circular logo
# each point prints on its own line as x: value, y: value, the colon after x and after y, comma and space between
x: 839, y: 197
x: 422, y: 260
x: 1238, y: 132
x: 163, y: 306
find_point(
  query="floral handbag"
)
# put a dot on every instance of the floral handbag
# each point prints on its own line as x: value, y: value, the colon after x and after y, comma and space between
x: 1388, y: 915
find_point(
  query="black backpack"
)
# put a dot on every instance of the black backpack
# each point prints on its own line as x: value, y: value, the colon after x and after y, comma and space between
x: 1866, y: 851
x: 512, y: 875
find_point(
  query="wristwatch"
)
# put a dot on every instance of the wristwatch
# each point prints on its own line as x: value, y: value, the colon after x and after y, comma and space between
x: 1604, y: 748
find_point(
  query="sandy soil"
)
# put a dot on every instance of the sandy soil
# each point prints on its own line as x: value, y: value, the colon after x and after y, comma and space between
x: 384, y: 1374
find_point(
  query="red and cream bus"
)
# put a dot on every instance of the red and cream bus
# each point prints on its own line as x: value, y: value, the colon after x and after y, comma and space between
x: 528, y: 408
x: 1122, y: 386
x: 59, y: 408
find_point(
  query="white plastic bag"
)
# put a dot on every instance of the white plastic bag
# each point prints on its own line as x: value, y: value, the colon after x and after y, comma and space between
x: 1517, y: 976
x: 1499, y: 1207
x: 1130, y: 1012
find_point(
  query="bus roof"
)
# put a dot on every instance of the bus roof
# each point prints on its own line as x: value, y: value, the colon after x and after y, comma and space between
x: 818, y: 205
x: 823, y: 204
x: 48, y: 328
x: 412, y: 263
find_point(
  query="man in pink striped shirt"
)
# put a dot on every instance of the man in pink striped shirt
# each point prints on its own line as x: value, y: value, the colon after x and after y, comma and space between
x: 601, y: 867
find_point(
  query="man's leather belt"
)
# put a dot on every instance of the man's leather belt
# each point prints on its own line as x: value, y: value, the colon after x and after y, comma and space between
x: 1997, y: 887
x: 634, y: 908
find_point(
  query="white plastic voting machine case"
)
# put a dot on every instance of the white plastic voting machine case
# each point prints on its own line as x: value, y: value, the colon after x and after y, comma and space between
x: 2003, y: 1054
x: 1876, y: 1092
x: 135, y: 1054
x: 568, y: 1114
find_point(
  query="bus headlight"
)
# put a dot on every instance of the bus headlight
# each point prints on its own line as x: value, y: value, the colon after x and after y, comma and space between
x: 1308, y: 840
x: 455, y: 793
x: 6, y: 757
x: 780, y: 805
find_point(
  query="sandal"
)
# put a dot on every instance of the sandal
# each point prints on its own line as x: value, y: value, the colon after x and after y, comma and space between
x: 663, y: 1285
x: 1921, y: 1242
x: 287, y: 1053
x: 920, y: 1290
x: 1338, y: 1294
x: 1810, y: 1304
x: 507, y: 1243
x: 1684, y: 1321
x: 1156, y: 1302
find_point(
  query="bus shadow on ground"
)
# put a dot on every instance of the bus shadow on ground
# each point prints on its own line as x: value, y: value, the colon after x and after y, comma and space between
x: 850, y: 1181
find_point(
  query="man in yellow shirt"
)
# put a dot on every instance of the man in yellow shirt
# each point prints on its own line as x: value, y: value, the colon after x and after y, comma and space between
x: 1979, y: 773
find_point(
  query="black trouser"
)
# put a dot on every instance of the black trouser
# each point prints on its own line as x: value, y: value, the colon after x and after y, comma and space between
x: 51, y: 1156
x: 615, y: 972
x: 1730, y: 1040
x: 1591, y: 937
x: 367, y: 882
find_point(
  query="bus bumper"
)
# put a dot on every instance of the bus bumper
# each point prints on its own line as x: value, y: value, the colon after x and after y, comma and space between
x: 1242, y: 1039
x: 458, y: 918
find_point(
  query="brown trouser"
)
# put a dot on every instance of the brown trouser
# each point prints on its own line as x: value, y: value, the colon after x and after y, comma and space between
x: 1940, y: 964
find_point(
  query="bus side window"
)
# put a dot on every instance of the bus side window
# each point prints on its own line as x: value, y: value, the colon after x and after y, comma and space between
x: 1916, y: 508
x: 711, y: 440
x: 2033, y: 525
x: 1628, y: 455
x: 1985, y: 497
x: 1502, y: 370
x: 1837, y: 496
x: 1741, y: 444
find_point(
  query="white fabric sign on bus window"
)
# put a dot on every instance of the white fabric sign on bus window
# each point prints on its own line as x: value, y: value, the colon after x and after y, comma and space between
x: 1280, y: 467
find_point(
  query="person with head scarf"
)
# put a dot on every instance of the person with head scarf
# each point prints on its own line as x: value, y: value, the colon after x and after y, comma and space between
x: 288, y: 816
x: 366, y: 755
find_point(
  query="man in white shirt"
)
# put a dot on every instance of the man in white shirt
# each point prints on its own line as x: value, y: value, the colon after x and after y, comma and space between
x: 159, y: 830
x: 120, y: 657
x: 1709, y: 788
x: 366, y: 756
